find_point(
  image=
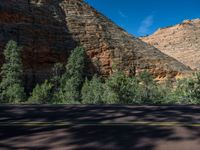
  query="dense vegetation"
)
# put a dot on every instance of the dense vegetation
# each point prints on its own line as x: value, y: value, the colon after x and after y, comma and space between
x: 69, y: 85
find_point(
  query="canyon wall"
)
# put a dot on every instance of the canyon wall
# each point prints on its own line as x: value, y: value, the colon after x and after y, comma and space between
x: 49, y: 29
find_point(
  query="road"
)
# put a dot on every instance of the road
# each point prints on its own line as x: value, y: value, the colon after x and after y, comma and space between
x: 92, y: 127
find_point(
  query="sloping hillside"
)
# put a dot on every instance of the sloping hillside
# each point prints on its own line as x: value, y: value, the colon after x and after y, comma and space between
x: 181, y: 41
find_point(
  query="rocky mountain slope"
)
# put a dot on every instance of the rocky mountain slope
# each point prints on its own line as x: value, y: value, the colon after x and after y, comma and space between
x: 49, y: 29
x: 181, y: 41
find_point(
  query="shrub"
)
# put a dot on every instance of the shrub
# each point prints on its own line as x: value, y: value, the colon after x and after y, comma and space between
x: 92, y: 91
x: 195, y: 93
x: 149, y: 91
x: 42, y: 94
x: 120, y: 89
x: 68, y: 94
x: 188, y: 90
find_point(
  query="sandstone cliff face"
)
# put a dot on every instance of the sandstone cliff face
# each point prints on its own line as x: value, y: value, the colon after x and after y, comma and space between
x: 49, y: 29
x: 181, y: 41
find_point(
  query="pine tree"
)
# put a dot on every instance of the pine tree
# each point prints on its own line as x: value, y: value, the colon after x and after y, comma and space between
x: 58, y: 71
x: 72, y: 80
x: 68, y: 93
x: 92, y: 91
x: 42, y: 94
x: 11, y: 89
x: 76, y: 64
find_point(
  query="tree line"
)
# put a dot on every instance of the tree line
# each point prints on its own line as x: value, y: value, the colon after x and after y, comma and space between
x: 69, y: 85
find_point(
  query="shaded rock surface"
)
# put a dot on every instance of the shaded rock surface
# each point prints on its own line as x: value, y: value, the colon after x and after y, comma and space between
x: 181, y: 41
x: 49, y: 29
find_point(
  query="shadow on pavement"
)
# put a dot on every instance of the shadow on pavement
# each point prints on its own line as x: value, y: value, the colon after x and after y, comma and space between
x: 98, y: 136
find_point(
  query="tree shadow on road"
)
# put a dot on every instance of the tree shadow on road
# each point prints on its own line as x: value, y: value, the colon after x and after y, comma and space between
x: 98, y: 135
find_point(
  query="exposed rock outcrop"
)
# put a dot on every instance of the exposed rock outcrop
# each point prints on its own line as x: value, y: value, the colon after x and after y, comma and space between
x: 49, y: 29
x: 181, y: 41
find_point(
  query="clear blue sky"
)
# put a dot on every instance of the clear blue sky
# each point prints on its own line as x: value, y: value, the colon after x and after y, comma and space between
x: 142, y: 17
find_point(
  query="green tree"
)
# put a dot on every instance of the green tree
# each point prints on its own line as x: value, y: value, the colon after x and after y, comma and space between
x: 11, y: 89
x: 180, y: 93
x: 196, y: 88
x: 68, y: 93
x: 188, y: 90
x: 92, y: 91
x: 58, y: 70
x: 162, y: 94
x: 72, y: 80
x: 149, y: 93
x: 76, y: 64
x: 42, y: 94
x: 120, y: 89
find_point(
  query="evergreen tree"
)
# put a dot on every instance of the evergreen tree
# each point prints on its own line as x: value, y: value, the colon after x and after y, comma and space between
x: 42, y: 94
x: 92, y: 91
x: 72, y: 79
x: 11, y: 89
x: 68, y: 93
x: 75, y: 65
x: 58, y: 71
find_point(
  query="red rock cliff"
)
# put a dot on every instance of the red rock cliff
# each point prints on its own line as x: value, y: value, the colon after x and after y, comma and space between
x: 49, y: 29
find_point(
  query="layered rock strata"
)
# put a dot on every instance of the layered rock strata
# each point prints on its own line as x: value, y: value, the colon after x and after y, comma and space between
x: 49, y: 29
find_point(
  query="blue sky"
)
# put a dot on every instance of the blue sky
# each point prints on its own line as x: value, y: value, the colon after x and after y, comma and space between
x: 142, y: 17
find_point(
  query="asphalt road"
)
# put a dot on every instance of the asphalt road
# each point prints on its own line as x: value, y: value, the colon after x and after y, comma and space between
x: 108, y: 127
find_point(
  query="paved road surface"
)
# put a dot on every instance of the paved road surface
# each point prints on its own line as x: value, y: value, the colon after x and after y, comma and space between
x: 112, y: 127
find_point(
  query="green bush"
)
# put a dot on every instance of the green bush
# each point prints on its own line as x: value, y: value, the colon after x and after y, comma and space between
x: 120, y: 89
x: 195, y: 93
x: 147, y: 87
x: 68, y: 93
x: 11, y: 89
x: 92, y: 91
x: 188, y: 90
x: 42, y: 94
x: 151, y: 92
x: 162, y: 94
